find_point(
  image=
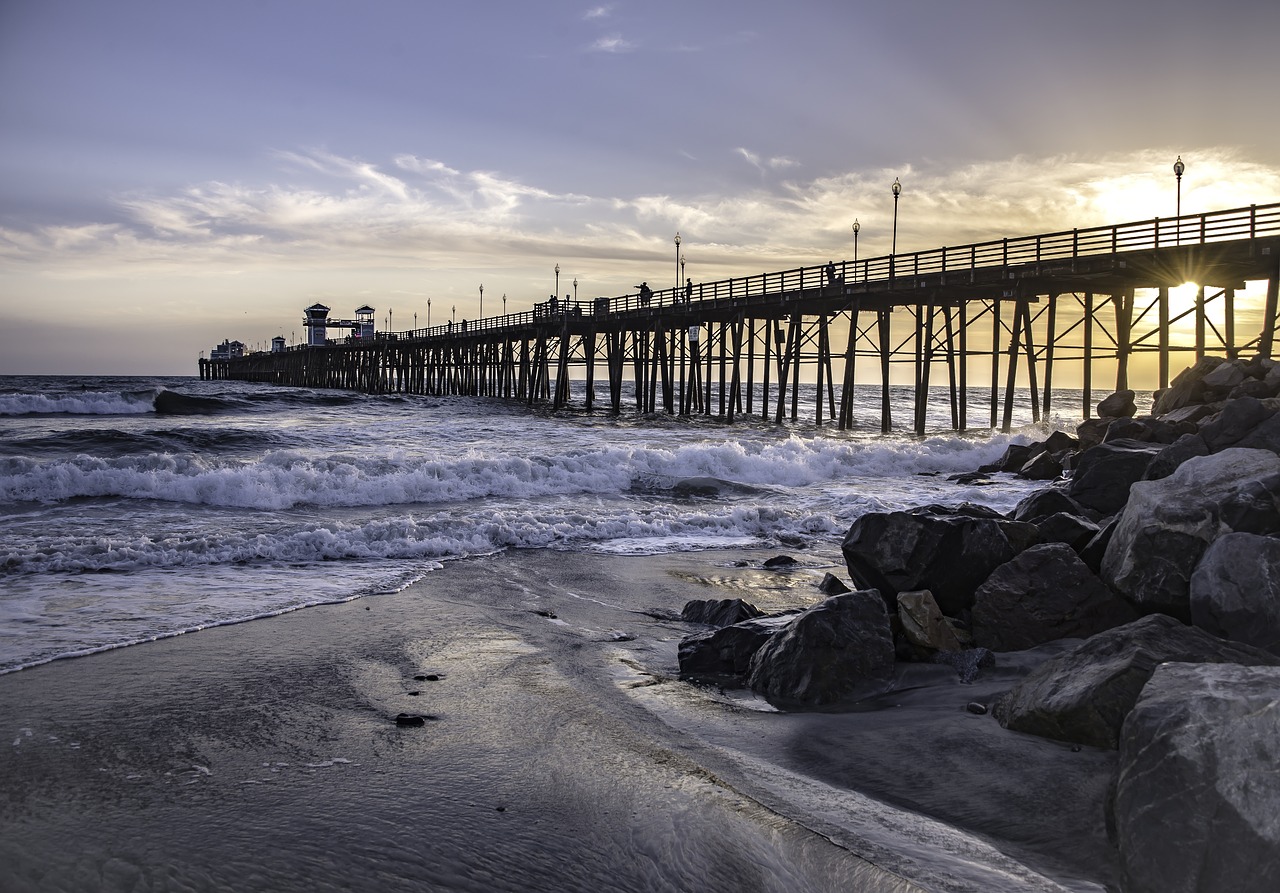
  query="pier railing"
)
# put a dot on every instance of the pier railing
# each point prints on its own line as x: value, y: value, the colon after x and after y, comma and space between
x: 881, y: 272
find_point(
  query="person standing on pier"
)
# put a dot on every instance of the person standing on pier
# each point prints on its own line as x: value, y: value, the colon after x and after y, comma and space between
x: 688, y: 290
x: 646, y: 293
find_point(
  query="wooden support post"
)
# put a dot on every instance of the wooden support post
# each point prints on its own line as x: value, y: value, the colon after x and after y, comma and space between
x: 886, y: 347
x: 1162, y: 304
x: 952, y: 384
x: 924, y: 362
x: 823, y: 359
x: 784, y: 356
x: 995, y: 361
x: 1086, y: 374
x: 1267, y: 337
x: 751, y: 363
x: 1200, y: 323
x: 1029, y: 343
x: 1019, y: 307
x: 1050, y: 341
x: 1124, y: 323
x: 797, y: 350
x: 850, y: 357
x: 1229, y: 322
x: 962, y: 326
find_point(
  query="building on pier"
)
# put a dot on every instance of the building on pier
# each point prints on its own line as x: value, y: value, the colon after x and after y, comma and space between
x: 227, y: 350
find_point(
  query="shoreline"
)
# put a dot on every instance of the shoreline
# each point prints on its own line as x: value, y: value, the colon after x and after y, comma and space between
x: 558, y: 750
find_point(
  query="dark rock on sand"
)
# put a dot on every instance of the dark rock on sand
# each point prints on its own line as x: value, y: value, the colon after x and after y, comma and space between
x: 410, y: 720
x: 1043, y: 594
x: 780, y: 561
x: 840, y: 649
x: 1083, y: 696
x: 1103, y: 474
x: 1043, y: 466
x: 1015, y: 456
x: 947, y: 550
x: 727, y: 651
x: 1118, y: 405
x: 1071, y: 530
x: 832, y: 585
x: 1197, y: 797
x: 1167, y: 524
x: 718, y: 612
x: 923, y: 624
x: 1235, y: 590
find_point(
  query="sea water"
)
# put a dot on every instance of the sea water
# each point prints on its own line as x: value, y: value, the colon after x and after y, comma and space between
x: 138, y: 508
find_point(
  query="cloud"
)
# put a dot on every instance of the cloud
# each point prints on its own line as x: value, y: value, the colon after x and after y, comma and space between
x: 771, y: 164
x: 612, y: 43
x: 598, y: 12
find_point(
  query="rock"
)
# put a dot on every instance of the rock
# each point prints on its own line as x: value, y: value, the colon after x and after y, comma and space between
x: 1266, y: 436
x: 1188, y: 414
x: 1235, y: 590
x: 1045, y: 502
x: 1060, y: 442
x: 832, y: 585
x: 1168, y: 524
x: 839, y: 650
x: 1127, y: 429
x: 1118, y: 405
x: 410, y: 720
x: 1188, y: 446
x: 1043, y: 594
x: 1093, y: 552
x: 947, y: 550
x: 1073, y: 530
x: 1015, y: 456
x: 1188, y: 387
x: 966, y: 663
x: 1043, y: 466
x: 781, y: 561
x: 1225, y: 376
x: 727, y: 651
x: 923, y: 624
x: 718, y: 612
x: 1237, y: 419
x: 1104, y: 473
x: 1197, y: 797
x: 1091, y: 431
x: 1083, y: 696
x: 976, y: 708
x: 1252, y: 387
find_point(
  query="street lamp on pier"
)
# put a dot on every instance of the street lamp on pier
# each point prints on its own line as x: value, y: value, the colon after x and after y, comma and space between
x: 856, y: 227
x: 575, y: 289
x: 1178, y: 168
x: 677, y: 261
x: 897, y: 191
x: 428, y: 313
x: 681, y: 270
x: 482, y: 302
x: 557, y: 291
x: 454, y: 317
x: 504, y: 303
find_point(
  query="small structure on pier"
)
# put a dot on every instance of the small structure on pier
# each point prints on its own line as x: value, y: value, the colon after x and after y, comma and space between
x: 362, y: 328
x: 316, y: 320
x: 227, y: 350
x: 277, y: 344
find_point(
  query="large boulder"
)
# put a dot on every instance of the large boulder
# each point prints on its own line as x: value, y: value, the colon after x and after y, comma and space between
x: 1045, y: 502
x: 1167, y: 524
x: 1237, y: 419
x: 1044, y: 593
x: 1197, y: 796
x: 1235, y: 590
x: 923, y: 624
x: 1166, y: 462
x: 1118, y: 406
x: 1083, y: 696
x: 727, y: 651
x: 1062, y: 527
x: 841, y: 649
x: 1187, y: 387
x: 718, y: 612
x: 947, y: 550
x: 1103, y: 474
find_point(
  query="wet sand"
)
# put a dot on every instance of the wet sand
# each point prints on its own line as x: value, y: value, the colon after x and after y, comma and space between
x: 557, y: 751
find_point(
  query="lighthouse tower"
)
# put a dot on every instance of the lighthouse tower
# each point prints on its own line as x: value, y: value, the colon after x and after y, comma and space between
x: 316, y: 321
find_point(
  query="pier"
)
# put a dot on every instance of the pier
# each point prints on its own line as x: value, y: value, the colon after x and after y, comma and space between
x: 999, y: 316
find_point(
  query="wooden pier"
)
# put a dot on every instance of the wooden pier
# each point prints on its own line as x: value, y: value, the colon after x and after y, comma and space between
x: 1017, y: 309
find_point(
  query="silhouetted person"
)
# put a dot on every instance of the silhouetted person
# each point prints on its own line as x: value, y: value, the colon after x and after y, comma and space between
x: 688, y: 290
x: 831, y: 273
x: 646, y: 293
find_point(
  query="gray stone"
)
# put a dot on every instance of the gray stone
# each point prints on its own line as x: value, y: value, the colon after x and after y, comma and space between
x: 1187, y: 388
x: 1083, y: 696
x: 1237, y: 419
x: 1168, y: 524
x: 923, y: 623
x: 1073, y: 530
x: 1045, y: 502
x: 1166, y: 462
x: 947, y: 550
x: 1235, y: 590
x: 839, y: 650
x: 1103, y: 474
x: 727, y: 651
x: 1197, y: 795
x: 718, y: 612
x: 1118, y: 405
x: 1091, y: 431
x: 832, y: 585
x: 1226, y: 375
x: 1043, y: 466
x: 1043, y: 594
x: 1266, y: 436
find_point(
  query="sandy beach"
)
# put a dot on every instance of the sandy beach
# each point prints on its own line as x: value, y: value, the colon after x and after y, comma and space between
x: 557, y: 751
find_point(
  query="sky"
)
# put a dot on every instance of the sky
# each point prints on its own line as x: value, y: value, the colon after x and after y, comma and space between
x: 175, y: 173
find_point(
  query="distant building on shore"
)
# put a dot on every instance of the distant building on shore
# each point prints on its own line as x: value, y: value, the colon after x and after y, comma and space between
x: 227, y: 350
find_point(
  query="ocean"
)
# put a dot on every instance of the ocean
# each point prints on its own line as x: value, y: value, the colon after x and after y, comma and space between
x: 136, y: 508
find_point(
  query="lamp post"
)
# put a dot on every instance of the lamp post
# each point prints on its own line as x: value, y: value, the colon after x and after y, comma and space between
x: 482, y: 302
x: 677, y: 261
x: 454, y: 317
x: 557, y: 291
x: 504, y: 303
x: 1178, y: 168
x: 575, y: 289
x: 428, y: 313
x: 897, y: 191
x: 681, y: 270
x: 856, y: 226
